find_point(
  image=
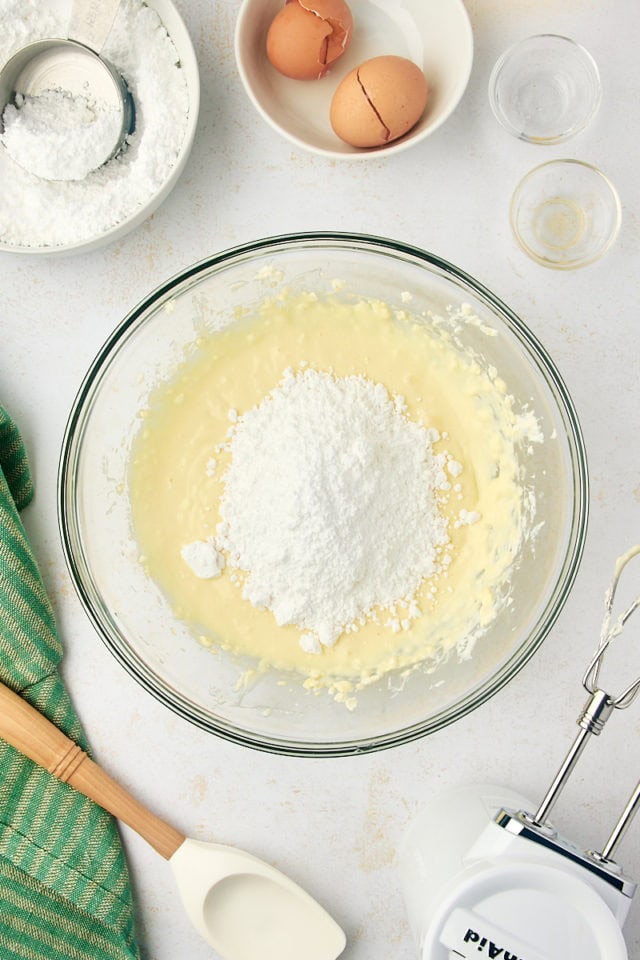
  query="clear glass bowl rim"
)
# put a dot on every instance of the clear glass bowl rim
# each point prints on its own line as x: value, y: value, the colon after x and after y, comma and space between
x: 72, y: 547
x: 559, y: 163
x: 501, y: 63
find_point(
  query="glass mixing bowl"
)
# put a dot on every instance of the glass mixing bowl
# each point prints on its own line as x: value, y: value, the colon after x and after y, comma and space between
x: 132, y: 615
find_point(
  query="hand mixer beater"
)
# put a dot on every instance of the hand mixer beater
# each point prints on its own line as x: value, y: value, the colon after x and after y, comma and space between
x: 483, y: 876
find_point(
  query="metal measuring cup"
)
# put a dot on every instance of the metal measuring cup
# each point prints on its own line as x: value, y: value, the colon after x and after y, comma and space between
x: 74, y: 65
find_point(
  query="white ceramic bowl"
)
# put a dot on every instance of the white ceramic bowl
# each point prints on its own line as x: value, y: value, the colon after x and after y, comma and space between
x: 179, y: 35
x: 435, y: 34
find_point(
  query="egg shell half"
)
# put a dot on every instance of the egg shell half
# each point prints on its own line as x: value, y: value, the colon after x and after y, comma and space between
x: 307, y: 36
x: 379, y: 101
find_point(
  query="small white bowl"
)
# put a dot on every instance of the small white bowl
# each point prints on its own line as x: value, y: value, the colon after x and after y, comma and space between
x: 435, y: 34
x: 179, y: 35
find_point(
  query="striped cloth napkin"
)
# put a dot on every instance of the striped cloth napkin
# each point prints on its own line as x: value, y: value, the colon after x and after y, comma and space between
x: 64, y: 885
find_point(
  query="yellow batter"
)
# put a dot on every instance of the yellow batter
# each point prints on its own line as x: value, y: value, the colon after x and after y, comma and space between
x: 174, y: 491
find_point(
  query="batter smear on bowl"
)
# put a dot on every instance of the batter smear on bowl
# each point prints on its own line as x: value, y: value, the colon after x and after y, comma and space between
x: 332, y: 488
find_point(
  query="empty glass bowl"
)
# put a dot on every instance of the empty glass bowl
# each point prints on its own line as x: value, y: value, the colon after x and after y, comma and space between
x: 565, y: 214
x: 545, y: 89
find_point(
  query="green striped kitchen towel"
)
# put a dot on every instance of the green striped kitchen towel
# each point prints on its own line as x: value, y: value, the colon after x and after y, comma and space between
x: 64, y: 884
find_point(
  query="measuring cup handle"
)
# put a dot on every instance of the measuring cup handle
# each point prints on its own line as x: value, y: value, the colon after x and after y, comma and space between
x: 22, y: 726
x: 91, y: 22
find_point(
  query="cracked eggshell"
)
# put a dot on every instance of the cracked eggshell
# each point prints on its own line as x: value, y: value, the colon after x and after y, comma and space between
x: 307, y: 36
x: 379, y: 101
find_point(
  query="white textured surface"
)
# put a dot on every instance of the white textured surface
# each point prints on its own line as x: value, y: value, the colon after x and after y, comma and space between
x: 334, y: 825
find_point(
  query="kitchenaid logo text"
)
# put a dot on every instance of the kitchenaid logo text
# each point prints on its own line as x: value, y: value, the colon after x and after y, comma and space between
x: 492, y: 949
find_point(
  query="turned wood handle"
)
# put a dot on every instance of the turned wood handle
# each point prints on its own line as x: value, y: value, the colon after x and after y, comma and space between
x: 22, y: 726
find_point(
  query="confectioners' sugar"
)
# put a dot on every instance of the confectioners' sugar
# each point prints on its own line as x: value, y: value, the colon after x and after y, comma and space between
x: 41, y: 213
x: 58, y: 136
x: 331, y: 503
x: 203, y: 559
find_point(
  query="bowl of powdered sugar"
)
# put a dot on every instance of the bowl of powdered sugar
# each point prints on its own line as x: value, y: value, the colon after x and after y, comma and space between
x: 353, y: 502
x: 56, y: 197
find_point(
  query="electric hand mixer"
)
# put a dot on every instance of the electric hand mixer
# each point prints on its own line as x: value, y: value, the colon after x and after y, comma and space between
x: 503, y: 883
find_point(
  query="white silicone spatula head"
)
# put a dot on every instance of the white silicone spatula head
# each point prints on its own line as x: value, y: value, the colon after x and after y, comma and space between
x: 246, y: 909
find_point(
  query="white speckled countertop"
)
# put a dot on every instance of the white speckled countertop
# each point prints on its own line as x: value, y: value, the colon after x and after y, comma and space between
x: 335, y: 825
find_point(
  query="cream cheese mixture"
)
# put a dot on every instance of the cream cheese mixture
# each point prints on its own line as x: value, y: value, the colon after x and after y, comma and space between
x: 334, y: 489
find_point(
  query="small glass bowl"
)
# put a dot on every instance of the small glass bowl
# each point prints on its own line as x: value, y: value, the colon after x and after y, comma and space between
x: 545, y: 89
x: 565, y: 214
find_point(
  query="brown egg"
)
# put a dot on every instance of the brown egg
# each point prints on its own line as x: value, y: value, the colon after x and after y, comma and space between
x: 307, y: 36
x: 379, y: 101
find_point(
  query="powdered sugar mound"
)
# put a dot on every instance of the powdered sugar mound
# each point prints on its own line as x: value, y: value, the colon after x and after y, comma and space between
x: 330, y: 503
x: 58, y: 136
x: 203, y: 558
